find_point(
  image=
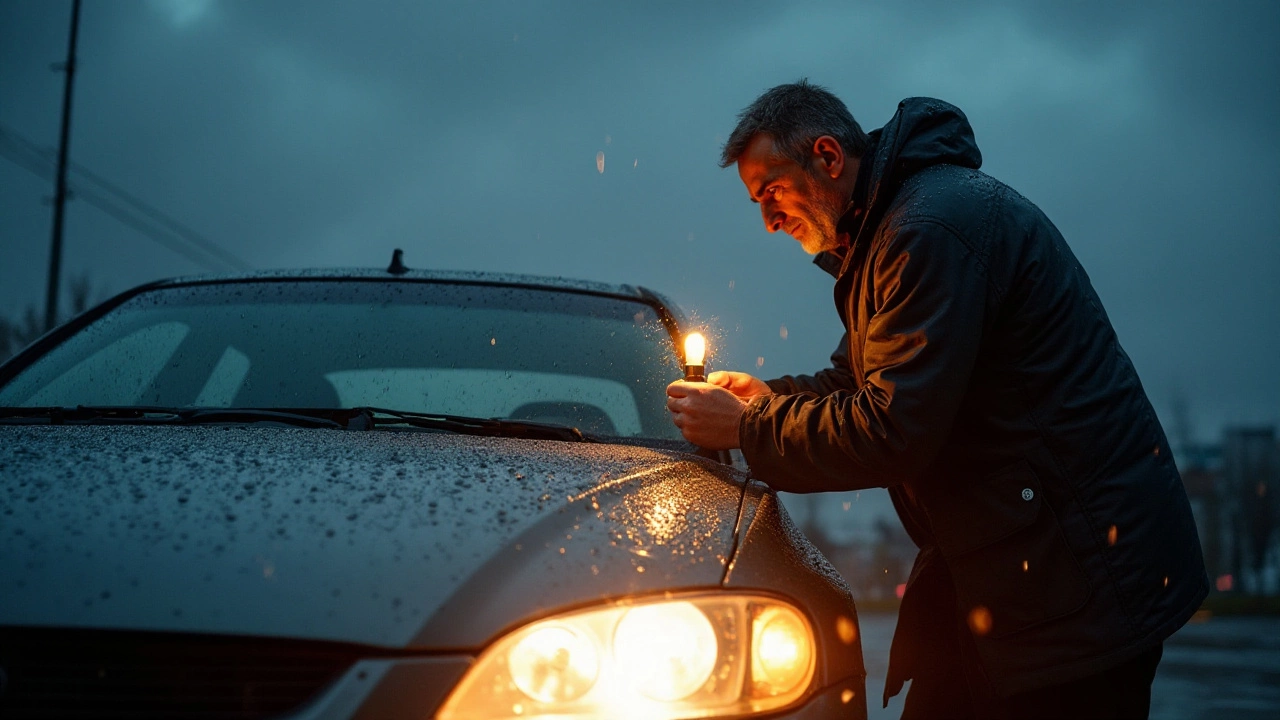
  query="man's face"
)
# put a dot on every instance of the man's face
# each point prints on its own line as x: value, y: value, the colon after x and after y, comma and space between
x: 804, y: 202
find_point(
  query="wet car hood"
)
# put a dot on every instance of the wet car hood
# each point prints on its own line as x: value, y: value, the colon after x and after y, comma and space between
x: 385, y: 537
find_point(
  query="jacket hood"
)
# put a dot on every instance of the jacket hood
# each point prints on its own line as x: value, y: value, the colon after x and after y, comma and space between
x: 383, y: 538
x: 923, y: 132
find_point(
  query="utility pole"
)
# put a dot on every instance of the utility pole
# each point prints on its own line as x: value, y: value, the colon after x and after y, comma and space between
x: 60, y: 186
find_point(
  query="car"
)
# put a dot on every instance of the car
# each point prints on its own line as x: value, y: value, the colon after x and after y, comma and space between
x: 375, y: 493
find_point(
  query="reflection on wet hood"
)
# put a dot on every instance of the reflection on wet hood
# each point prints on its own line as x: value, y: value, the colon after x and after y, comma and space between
x: 362, y: 537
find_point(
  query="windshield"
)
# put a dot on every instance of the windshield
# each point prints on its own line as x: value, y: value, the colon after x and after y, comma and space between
x: 597, y: 363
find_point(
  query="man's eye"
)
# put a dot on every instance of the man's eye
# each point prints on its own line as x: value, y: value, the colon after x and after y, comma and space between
x: 772, y: 190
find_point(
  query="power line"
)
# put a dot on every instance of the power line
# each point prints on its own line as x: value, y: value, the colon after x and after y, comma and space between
x: 171, y: 234
x: 174, y: 226
x: 42, y: 169
x: 140, y: 205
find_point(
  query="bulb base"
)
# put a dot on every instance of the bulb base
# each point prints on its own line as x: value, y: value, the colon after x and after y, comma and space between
x: 694, y: 373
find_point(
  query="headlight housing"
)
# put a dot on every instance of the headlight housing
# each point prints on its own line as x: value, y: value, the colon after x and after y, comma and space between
x: 673, y: 657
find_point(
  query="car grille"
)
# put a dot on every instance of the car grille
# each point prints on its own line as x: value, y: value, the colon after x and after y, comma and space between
x: 62, y: 673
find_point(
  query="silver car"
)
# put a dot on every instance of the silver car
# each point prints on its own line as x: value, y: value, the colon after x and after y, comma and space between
x: 385, y: 494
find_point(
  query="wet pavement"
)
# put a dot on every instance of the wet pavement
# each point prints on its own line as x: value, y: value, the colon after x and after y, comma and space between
x: 1216, y: 667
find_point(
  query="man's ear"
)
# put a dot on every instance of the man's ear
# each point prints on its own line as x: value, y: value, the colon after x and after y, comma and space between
x: 828, y: 157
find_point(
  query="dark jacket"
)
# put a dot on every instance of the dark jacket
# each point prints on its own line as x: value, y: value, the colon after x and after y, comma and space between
x: 980, y: 380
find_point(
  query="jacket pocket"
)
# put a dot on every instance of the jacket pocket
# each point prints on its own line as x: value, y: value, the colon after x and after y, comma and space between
x: 1009, y: 560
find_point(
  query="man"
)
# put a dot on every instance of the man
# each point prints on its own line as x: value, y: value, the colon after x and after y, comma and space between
x: 981, y: 382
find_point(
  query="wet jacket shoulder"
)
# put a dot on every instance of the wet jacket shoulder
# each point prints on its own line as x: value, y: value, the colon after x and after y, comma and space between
x: 982, y: 382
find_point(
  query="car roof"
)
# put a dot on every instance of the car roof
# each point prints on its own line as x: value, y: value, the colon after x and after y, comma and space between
x: 448, y: 276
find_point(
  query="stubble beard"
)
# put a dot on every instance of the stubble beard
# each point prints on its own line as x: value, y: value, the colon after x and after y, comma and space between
x: 822, y: 235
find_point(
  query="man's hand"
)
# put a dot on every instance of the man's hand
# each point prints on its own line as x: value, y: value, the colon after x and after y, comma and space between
x: 707, y: 414
x: 743, y: 385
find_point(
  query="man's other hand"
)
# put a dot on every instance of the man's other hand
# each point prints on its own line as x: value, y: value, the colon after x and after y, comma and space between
x: 707, y: 414
x: 743, y: 385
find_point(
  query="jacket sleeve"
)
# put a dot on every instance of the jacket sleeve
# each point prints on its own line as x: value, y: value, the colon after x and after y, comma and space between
x: 823, y: 382
x: 921, y: 344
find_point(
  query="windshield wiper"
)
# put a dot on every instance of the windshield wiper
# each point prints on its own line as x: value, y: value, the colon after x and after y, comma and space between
x: 491, y: 427
x: 138, y: 415
x: 358, y: 418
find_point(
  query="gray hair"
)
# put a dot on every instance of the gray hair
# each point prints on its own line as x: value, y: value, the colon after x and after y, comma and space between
x: 795, y: 115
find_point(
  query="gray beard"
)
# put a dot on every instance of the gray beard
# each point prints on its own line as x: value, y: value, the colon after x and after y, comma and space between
x: 830, y: 209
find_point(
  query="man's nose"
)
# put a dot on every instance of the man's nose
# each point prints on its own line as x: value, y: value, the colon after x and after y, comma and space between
x: 773, y: 219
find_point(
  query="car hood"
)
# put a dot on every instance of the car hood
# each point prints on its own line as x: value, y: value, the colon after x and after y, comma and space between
x: 400, y: 539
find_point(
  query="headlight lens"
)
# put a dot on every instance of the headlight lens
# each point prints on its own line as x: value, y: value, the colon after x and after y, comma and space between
x: 553, y: 664
x: 665, y: 651
x: 692, y: 656
x: 782, y: 651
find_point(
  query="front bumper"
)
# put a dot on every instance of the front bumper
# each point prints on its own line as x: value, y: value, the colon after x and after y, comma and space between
x: 412, y: 688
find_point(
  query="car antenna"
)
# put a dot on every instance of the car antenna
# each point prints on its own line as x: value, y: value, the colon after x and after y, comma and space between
x: 397, y: 263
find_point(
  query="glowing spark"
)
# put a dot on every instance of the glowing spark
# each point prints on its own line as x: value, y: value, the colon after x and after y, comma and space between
x: 782, y: 331
x: 730, y: 284
x: 493, y: 341
x: 636, y: 163
x: 1111, y: 535
x: 1025, y: 566
x: 760, y: 361
x: 600, y: 162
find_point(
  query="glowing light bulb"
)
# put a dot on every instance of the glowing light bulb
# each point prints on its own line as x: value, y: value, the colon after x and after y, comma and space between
x: 695, y: 353
x: 782, y: 651
x: 666, y: 652
x: 553, y: 664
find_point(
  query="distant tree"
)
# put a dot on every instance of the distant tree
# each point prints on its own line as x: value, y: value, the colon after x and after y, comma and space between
x: 16, y: 333
x: 80, y: 290
x: 28, y: 326
x: 6, y: 338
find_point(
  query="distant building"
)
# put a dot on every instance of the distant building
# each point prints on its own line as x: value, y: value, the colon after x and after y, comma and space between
x: 1250, y: 461
x: 1232, y: 489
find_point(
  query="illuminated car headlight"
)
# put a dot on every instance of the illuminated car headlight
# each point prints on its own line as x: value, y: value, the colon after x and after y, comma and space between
x: 681, y: 657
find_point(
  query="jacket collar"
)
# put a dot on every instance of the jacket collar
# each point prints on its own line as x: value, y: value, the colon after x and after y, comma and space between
x: 923, y: 132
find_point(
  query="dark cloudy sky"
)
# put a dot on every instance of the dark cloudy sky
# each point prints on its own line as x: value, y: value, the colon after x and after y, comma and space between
x: 327, y: 133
